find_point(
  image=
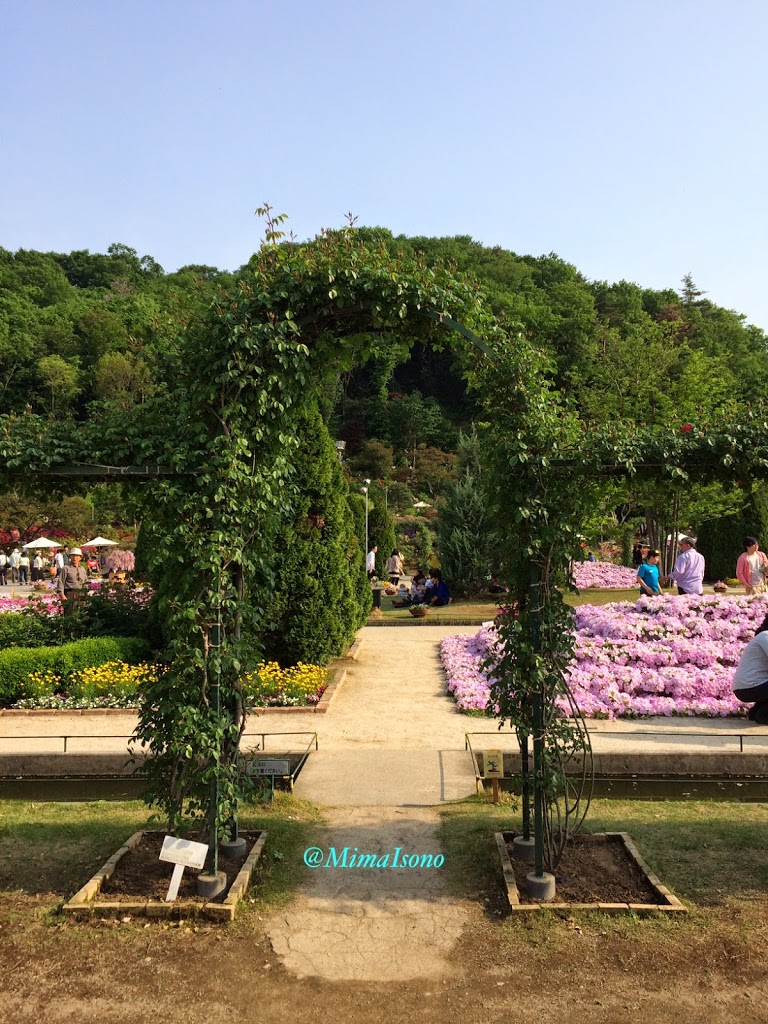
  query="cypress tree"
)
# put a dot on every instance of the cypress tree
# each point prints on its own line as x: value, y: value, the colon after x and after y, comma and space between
x: 466, y: 540
x: 320, y: 595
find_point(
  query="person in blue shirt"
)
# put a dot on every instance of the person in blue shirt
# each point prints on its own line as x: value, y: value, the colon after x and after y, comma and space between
x: 439, y: 594
x: 648, y: 575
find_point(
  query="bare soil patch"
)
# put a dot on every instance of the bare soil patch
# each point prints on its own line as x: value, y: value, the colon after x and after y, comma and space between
x: 591, y: 872
x: 140, y: 874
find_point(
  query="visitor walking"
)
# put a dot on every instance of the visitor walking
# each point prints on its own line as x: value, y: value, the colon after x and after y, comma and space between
x: 394, y: 567
x: 752, y: 567
x: 370, y: 562
x: 433, y: 560
x: 3, y: 568
x: 750, y: 682
x: 688, y: 572
x: 37, y: 568
x: 648, y: 575
x: 639, y: 551
x: 24, y: 567
x: 13, y: 565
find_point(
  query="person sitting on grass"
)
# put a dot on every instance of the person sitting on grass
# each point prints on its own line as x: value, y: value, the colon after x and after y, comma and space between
x: 418, y: 589
x: 648, y: 575
x: 439, y: 594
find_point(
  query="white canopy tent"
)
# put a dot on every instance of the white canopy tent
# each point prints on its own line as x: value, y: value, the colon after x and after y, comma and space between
x: 99, y: 542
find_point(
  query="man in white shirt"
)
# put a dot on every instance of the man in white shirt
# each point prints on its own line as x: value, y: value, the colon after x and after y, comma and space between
x: 13, y: 564
x: 370, y: 562
x: 688, y: 573
x: 3, y: 568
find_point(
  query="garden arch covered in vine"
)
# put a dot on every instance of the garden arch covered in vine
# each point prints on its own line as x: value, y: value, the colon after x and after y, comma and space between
x: 297, y: 317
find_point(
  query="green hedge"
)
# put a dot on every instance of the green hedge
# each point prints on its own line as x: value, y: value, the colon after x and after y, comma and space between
x: 21, y: 630
x: 17, y: 663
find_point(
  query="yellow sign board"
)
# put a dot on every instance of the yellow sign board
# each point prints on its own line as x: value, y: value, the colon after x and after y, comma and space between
x: 493, y: 764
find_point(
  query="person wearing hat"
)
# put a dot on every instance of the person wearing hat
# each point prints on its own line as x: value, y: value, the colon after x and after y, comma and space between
x: 72, y: 579
x: 688, y: 573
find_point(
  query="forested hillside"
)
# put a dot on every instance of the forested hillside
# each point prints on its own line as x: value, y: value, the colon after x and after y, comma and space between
x: 80, y: 328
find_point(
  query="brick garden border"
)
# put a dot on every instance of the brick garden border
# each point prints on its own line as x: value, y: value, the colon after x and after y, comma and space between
x: 84, y: 902
x: 669, y: 903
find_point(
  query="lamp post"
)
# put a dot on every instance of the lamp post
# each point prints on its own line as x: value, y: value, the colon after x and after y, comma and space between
x: 365, y: 492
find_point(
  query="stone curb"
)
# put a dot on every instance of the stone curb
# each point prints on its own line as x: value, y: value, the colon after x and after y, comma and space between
x: 83, y: 903
x: 669, y: 902
x: 65, y: 712
x: 427, y: 621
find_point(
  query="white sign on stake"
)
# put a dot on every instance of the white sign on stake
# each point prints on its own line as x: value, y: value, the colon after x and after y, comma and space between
x: 181, y: 853
x: 269, y: 766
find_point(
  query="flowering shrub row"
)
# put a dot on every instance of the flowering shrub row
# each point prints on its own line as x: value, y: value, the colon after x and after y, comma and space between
x: 49, y: 604
x: 604, y: 574
x: 116, y: 684
x: 657, y: 656
x: 47, y: 601
x: 273, y: 686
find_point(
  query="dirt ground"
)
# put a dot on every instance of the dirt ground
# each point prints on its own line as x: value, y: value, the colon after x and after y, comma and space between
x: 112, y: 973
x: 492, y: 967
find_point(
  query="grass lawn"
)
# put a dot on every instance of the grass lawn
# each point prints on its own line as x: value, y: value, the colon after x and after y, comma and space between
x: 712, y: 855
x: 51, y: 849
x: 708, y: 965
x: 474, y: 611
x: 709, y: 853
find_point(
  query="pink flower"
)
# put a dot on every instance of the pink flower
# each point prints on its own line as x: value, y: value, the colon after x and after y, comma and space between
x: 666, y: 655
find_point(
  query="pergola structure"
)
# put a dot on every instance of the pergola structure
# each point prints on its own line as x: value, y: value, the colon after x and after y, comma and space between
x: 213, y: 458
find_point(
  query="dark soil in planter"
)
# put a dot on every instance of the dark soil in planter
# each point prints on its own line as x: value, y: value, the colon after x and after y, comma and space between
x: 592, y: 871
x: 140, y: 874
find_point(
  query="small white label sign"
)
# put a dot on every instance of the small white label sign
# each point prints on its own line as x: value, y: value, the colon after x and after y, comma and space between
x: 269, y: 767
x: 183, y: 851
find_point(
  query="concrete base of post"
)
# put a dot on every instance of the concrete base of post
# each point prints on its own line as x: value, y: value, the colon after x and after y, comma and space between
x: 233, y: 848
x: 540, y: 887
x: 524, y: 849
x: 209, y: 886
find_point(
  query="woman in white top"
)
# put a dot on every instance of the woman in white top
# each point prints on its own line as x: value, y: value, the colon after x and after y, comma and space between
x: 750, y: 683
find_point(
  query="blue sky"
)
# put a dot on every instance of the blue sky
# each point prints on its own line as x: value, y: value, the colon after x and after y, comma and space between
x: 628, y: 137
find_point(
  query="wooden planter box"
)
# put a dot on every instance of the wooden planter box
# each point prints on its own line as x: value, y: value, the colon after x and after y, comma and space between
x: 667, y: 902
x: 86, y: 902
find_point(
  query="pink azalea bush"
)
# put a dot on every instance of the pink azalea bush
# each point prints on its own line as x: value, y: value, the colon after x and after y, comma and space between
x: 49, y: 602
x: 667, y: 655
x: 604, y: 575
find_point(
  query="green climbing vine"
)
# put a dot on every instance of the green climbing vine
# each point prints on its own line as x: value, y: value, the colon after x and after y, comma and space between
x: 218, y: 444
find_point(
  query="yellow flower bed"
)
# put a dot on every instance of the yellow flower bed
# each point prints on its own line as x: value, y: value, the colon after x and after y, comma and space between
x: 272, y: 686
x: 117, y: 684
x: 112, y: 679
x: 113, y: 684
